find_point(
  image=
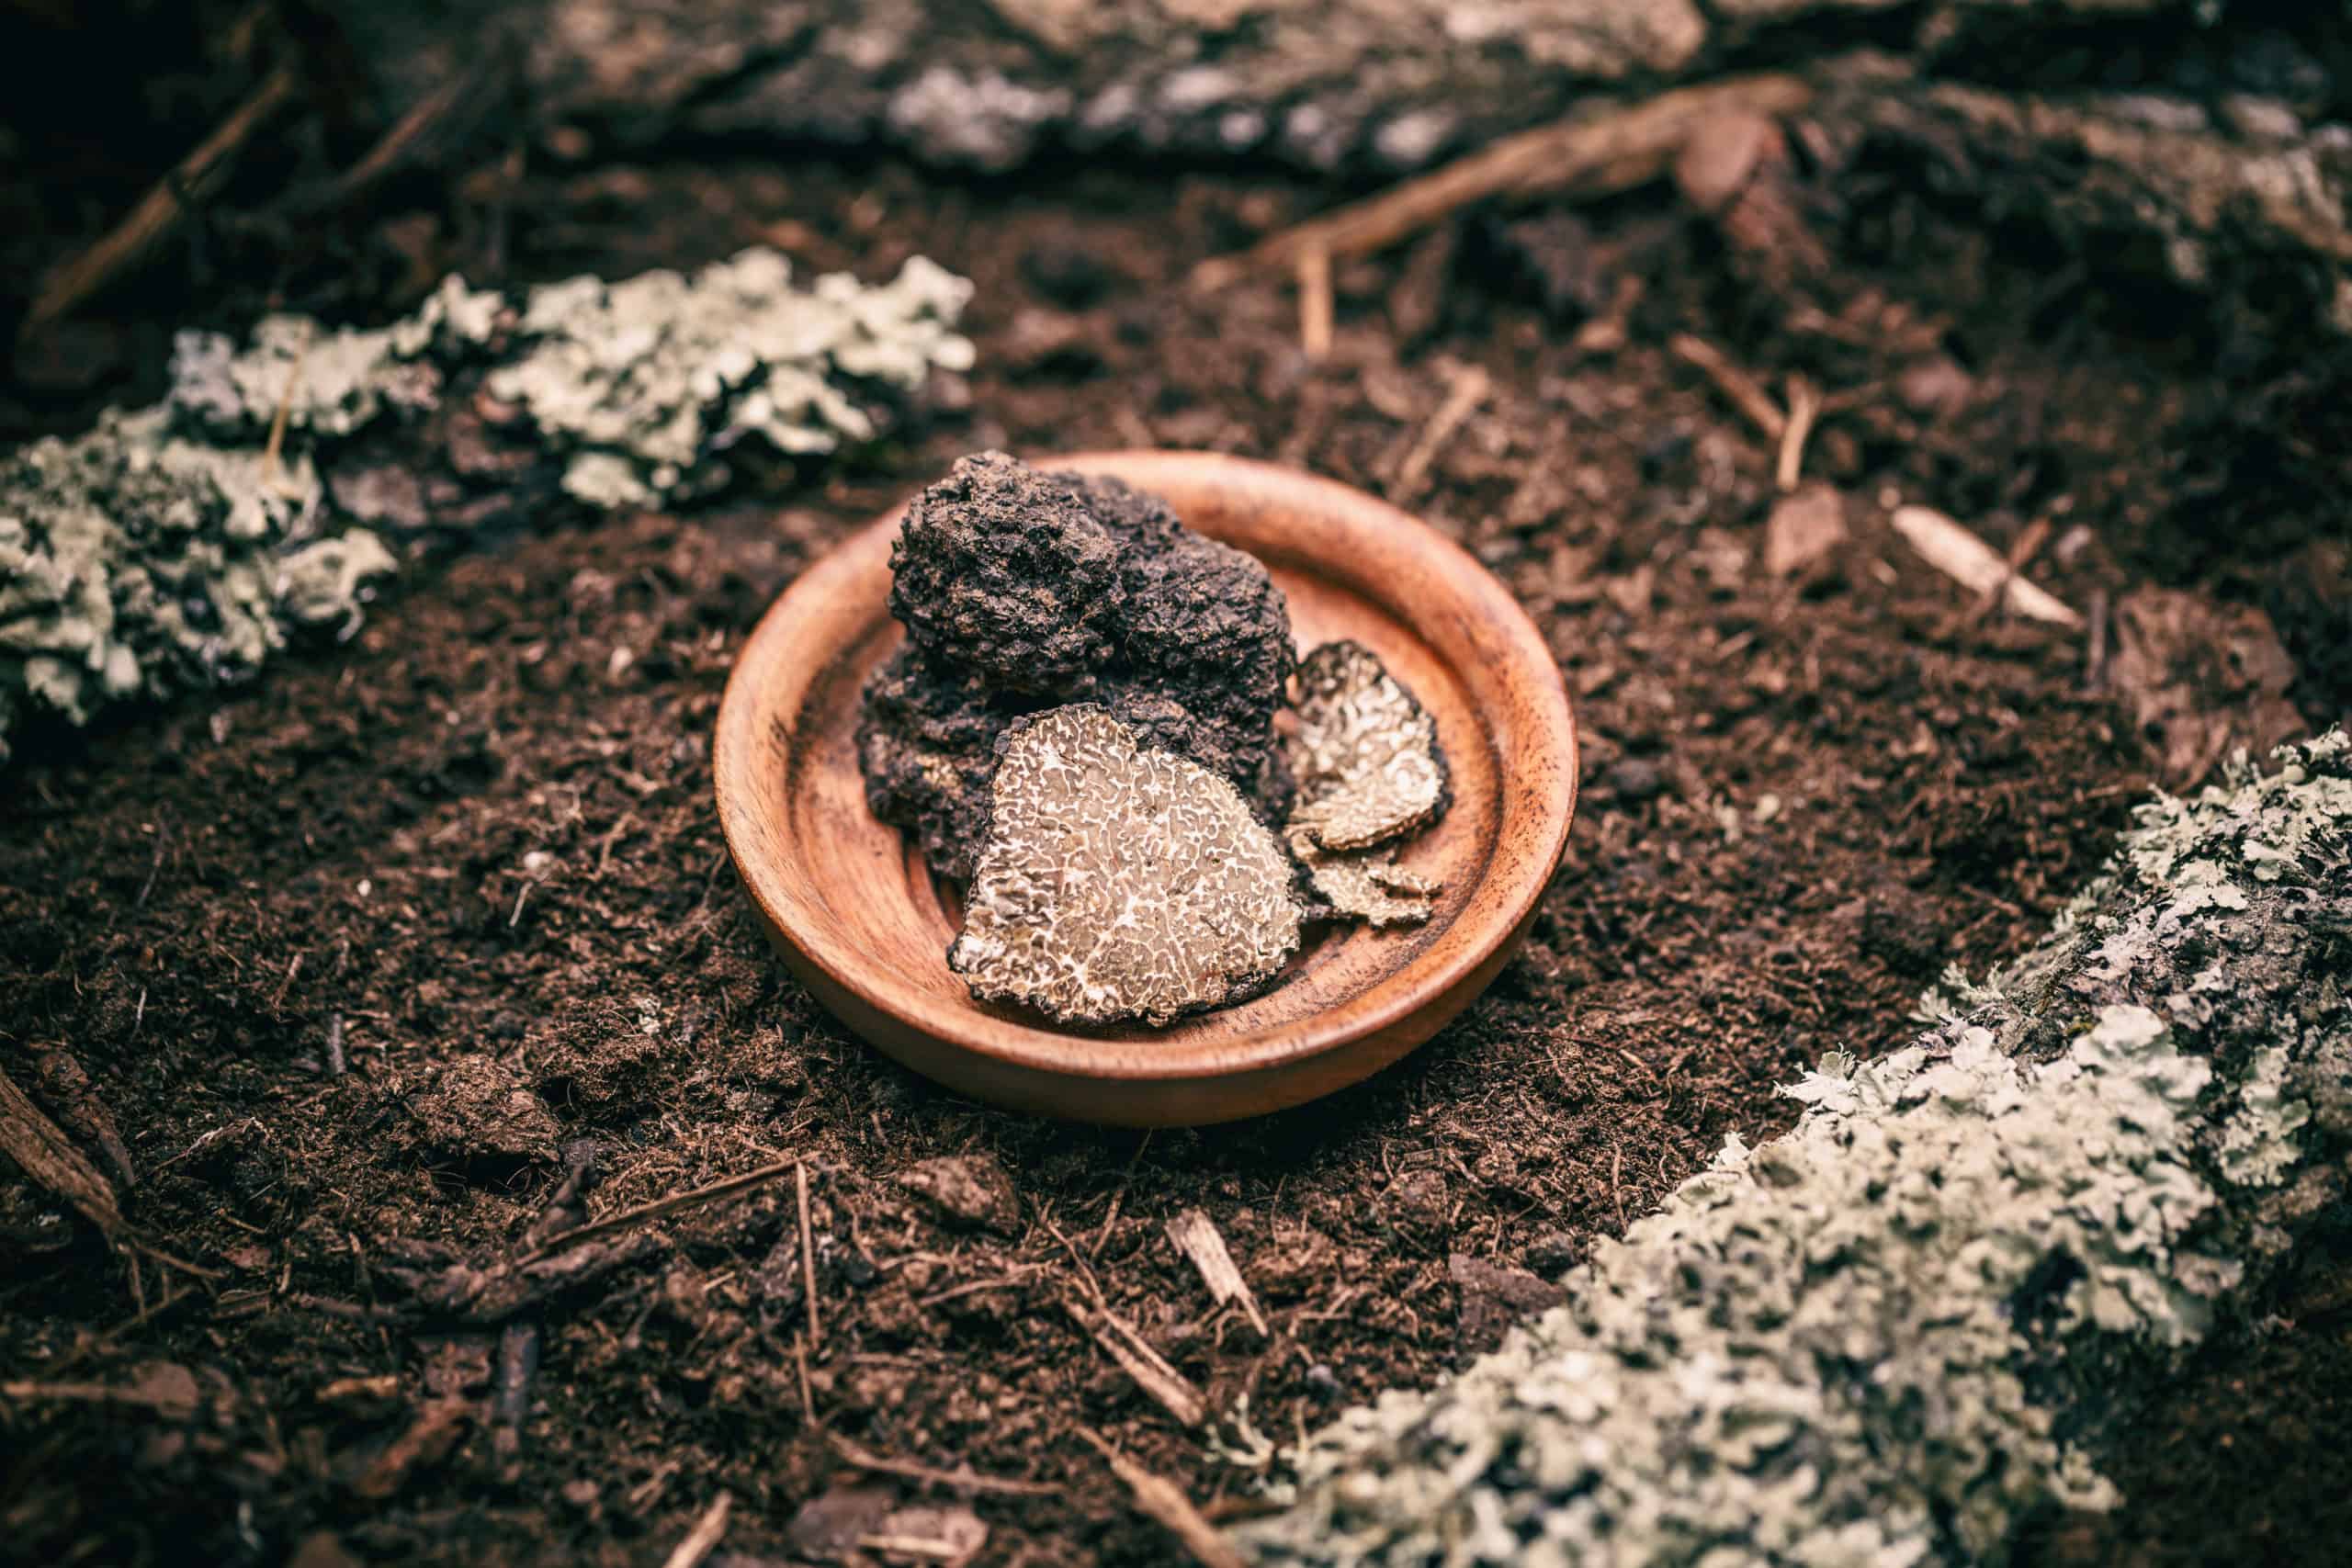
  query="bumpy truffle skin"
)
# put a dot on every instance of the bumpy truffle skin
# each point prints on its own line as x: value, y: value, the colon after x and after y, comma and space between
x: 1023, y: 591
x: 1119, y: 882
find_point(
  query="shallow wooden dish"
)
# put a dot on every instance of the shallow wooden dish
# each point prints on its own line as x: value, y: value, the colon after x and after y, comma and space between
x: 855, y: 913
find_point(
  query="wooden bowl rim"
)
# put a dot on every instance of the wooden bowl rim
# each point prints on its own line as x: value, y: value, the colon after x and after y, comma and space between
x: 1498, y: 910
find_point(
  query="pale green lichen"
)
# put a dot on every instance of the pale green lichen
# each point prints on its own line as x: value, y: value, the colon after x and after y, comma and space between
x: 653, y: 381
x: 135, y: 562
x: 1894, y: 1333
x: 179, y: 547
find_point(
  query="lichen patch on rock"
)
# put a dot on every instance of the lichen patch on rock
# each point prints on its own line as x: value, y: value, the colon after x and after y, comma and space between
x: 1366, y: 754
x: 1119, y: 882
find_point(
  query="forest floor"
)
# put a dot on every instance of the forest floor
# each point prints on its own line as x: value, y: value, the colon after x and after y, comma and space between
x: 475, y: 849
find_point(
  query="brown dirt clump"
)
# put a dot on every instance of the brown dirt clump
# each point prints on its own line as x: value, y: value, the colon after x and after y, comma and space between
x: 359, y: 959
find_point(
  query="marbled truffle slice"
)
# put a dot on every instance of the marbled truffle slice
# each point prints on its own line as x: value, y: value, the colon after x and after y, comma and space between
x: 1365, y: 755
x: 1118, y: 882
x: 1366, y: 885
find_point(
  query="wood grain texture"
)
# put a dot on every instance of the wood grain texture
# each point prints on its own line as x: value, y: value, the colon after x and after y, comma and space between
x: 855, y: 914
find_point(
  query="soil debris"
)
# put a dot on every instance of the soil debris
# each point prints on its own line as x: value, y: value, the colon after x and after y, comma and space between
x: 1803, y: 529
x: 2203, y: 679
x: 1120, y: 882
x: 970, y: 1191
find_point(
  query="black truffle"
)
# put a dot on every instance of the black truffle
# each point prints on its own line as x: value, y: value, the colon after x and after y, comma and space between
x: 1023, y: 591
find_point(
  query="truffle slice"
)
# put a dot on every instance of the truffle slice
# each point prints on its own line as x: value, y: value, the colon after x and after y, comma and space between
x: 1367, y: 885
x: 1117, y: 882
x: 1366, y: 754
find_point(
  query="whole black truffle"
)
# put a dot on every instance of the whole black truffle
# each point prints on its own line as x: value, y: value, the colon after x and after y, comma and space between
x: 1023, y: 591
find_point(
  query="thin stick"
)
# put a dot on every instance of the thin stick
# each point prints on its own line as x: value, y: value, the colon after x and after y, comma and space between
x: 1162, y: 1500
x: 336, y: 1064
x: 808, y: 1249
x: 1314, y: 302
x: 1738, y: 387
x: 2095, y: 656
x: 705, y: 1535
x: 963, y: 1478
x: 271, y: 474
x: 1170, y: 1389
x: 1468, y: 391
x: 1805, y: 407
x: 161, y: 210
x: 658, y: 1209
x: 800, y: 1360
x: 1591, y: 154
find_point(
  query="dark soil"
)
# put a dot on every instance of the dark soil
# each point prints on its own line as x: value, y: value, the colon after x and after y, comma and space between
x: 473, y: 852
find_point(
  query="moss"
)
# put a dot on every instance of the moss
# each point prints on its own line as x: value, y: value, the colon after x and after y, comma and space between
x: 1897, y: 1332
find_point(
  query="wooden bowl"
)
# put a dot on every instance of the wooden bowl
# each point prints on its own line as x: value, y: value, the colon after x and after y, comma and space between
x: 854, y: 911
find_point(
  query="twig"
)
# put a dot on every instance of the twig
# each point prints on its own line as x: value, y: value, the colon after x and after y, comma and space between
x: 1164, y: 1501
x: 800, y: 1361
x: 1314, y: 302
x: 963, y: 1478
x: 2095, y: 656
x: 1976, y: 565
x: 704, y: 1536
x: 1171, y: 1389
x: 1736, y: 386
x: 808, y: 1249
x: 2022, y: 549
x: 163, y: 831
x: 518, y: 1364
x: 1590, y: 155
x: 336, y: 1065
x: 1805, y: 407
x: 1197, y: 1237
x: 658, y: 1208
x: 161, y: 210
x: 1469, y: 389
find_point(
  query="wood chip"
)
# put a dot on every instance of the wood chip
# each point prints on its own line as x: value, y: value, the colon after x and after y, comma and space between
x: 1197, y: 1237
x: 1172, y: 1390
x: 1162, y: 1500
x: 47, y: 1157
x: 1802, y: 529
x: 1976, y: 565
x: 1314, y: 302
x: 428, y: 1439
x: 706, y: 1534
